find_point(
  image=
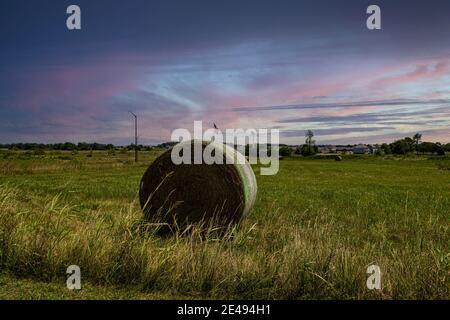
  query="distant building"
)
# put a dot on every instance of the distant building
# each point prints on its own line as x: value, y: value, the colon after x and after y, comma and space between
x: 327, y: 149
x: 344, y: 149
x: 361, y: 149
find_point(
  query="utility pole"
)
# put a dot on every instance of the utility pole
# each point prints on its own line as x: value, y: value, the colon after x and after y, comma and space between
x: 135, y: 137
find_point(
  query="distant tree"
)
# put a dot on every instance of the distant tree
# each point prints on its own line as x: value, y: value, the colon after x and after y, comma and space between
x: 410, y: 143
x: 166, y: 145
x: 386, y: 148
x: 98, y: 146
x: 306, y: 150
x: 430, y: 147
x: 311, y: 149
x: 68, y: 146
x: 83, y: 146
x: 402, y: 146
x: 285, y: 151
x: 416, y: 138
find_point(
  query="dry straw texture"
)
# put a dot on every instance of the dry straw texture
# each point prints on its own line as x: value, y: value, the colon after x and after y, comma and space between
x: 216, y: 195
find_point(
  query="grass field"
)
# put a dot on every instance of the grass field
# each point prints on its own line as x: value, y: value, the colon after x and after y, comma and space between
x: 315, y: 228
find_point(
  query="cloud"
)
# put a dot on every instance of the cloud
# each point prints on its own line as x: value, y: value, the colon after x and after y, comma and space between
x: 372, y: 117
x: 370, y: 103
x: 306, y: 64
x: 421, y: 72
x: 333, y: 131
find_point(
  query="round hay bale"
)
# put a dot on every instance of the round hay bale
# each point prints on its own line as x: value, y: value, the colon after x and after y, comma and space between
x: 217, y: 195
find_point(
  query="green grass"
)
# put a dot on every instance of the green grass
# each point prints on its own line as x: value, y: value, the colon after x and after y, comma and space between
x: 25, y: 289
x: 315, y: 228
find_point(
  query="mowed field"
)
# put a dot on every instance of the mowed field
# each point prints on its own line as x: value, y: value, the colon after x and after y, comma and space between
x: 315, y: 228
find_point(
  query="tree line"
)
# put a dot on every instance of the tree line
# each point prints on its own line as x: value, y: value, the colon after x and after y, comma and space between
x: 400, y: 147
x: 66, y: 146
x: 414, y: 145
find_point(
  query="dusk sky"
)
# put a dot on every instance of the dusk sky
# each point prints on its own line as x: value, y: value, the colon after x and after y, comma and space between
x: 291, y: 65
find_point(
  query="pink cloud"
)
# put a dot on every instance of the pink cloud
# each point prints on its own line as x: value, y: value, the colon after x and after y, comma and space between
x: 86, y: 88
x: 433, y: 70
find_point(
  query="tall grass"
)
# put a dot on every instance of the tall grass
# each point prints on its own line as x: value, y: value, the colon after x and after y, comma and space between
x: 318, y: 248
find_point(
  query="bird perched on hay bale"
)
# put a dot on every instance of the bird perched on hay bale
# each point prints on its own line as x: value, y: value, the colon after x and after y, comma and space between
x: 214, y: 195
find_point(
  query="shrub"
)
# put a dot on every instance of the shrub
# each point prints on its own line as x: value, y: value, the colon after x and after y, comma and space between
x: 308, y: 150
x: 285, y: 151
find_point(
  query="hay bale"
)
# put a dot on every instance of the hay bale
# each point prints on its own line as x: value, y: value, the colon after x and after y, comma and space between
x: 218, y: 194
x: 338, y: 158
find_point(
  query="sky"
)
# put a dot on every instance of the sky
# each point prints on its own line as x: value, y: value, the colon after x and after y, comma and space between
x: 289, y: 65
